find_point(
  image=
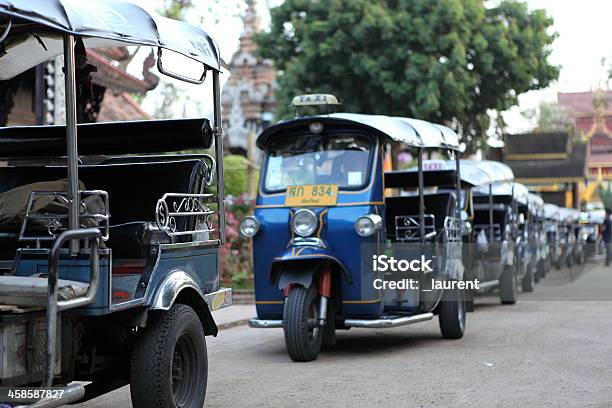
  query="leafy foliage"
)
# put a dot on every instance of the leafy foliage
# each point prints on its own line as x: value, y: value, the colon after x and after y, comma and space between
x: 448, y: 61
x: 235, y: 174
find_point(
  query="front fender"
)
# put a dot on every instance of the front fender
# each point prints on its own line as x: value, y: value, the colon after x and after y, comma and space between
x: 309, y: 253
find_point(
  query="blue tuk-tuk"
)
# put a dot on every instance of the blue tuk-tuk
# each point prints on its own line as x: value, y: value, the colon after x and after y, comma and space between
x: 322, y: 214
x: 109, y: 241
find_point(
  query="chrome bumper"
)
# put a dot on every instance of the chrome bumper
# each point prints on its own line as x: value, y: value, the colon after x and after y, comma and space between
x: 387, y: 322
x: 265, y: 324
x: 382, y: 323
x: 219, y: 299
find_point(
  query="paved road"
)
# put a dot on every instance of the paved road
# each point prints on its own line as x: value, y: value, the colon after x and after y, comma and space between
x: 540, y: 353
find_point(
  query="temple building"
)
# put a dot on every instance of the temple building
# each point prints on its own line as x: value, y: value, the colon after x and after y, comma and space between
x: 248, y: 96
x: 36, y: 97
x: 552, y: 164
x: 592, y: 115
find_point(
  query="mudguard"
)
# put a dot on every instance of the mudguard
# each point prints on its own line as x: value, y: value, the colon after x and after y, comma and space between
x: 296, y: 275
x: 295, y: 271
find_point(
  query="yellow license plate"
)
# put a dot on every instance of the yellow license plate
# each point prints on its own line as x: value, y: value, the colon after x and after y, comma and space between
x: 315, y: 195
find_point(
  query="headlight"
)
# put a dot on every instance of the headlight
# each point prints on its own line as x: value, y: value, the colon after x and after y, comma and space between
x: 249, y: 226
x: 367, y: 225
x: 304, y: 223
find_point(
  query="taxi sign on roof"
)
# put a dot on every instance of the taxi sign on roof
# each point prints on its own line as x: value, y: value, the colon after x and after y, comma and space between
x: 314, y: 100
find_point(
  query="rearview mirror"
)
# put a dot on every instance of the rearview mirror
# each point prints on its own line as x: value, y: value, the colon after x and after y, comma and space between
x: 180, y: 67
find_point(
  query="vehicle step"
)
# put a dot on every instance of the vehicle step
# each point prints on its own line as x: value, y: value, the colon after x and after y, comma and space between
x: 265, y: 324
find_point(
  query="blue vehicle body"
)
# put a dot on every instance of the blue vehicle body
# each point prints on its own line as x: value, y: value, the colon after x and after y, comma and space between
x: 277, y: 252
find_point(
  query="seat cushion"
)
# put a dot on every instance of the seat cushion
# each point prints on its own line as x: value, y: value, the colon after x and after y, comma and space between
x: 31, y: 291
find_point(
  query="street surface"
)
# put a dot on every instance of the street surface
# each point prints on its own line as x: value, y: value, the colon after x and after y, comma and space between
x: 537, y: 353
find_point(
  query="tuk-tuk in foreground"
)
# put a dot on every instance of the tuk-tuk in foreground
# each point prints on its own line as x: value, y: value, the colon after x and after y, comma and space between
x: 109, y: 251
x: 321, y: 215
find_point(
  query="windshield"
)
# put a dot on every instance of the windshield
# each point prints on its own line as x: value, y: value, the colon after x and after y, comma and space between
x: 342, y: 160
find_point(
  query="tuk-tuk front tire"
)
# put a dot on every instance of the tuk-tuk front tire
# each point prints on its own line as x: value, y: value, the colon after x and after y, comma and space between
x: 452, y: 314
x: 303, y: 337
x: 507, y: 287
x: 169, y: 364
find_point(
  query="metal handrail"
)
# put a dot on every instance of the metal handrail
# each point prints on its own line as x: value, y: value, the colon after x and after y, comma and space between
x: 93, y: 235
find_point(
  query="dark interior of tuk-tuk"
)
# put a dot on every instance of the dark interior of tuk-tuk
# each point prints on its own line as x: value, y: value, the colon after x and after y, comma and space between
x: 134, y: 183
x: 402, y: 211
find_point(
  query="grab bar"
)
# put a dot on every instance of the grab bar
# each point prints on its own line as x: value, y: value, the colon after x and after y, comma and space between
x: 93, y: 235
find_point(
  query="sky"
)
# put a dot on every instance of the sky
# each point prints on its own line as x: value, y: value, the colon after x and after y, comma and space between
x: 583, y: 27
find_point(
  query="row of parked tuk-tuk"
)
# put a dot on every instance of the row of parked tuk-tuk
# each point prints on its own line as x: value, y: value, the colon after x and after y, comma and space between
x: 110, y: 237
x: 328, y: 202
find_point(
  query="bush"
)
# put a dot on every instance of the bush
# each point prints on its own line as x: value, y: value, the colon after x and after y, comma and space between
x: 236, y: 267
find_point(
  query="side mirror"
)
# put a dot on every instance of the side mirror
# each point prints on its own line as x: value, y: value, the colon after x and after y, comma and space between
x: 180, y: 67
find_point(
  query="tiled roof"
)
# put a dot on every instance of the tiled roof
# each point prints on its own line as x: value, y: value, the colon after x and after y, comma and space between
x: 119, y: 107
x: 111, y: 76
x: 578, y: 103
x: 537, y: 143
x: 571, y: 167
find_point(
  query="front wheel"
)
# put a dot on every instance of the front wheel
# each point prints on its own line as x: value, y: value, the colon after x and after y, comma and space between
x: 303, y: 335
x: 451, y: 314
x: 507, y: 287
x: 528, y: 282
x: 169, y: 366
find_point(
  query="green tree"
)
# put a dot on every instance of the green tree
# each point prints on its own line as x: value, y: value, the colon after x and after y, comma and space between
x: 447, y: 61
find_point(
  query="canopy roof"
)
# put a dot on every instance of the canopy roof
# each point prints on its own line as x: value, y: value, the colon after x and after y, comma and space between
x: 551, y: 211
x: 505, y: 188
x: 411, y: 132
x: 149, y: 136
x: 569, y: 214
x: 443, y: 173
x: 535, y: 202
x: 35, y: 36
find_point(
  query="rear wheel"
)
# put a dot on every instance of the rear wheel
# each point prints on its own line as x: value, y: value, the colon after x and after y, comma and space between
x: 303, y: 336
x: 169, y: 366
x: 451, y: 314
x: 507, y: 287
